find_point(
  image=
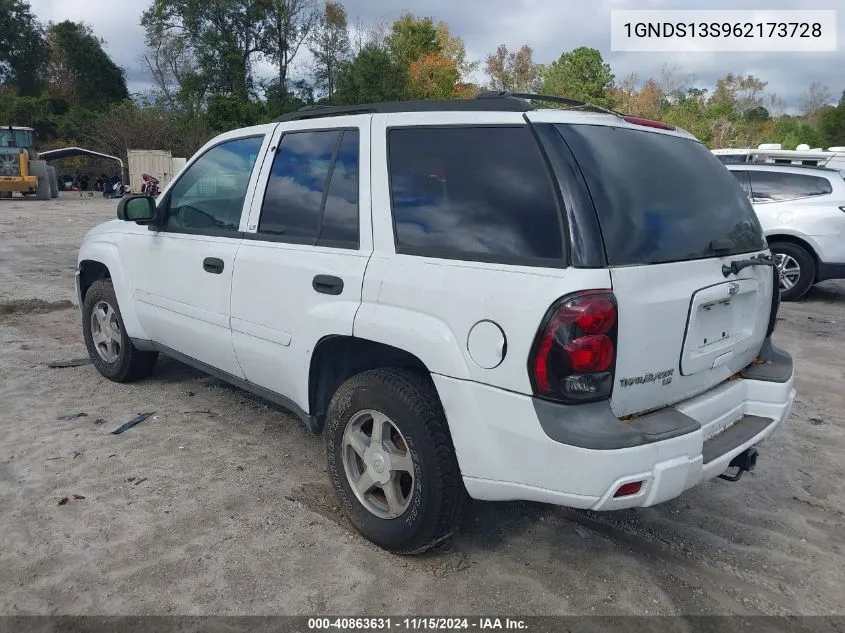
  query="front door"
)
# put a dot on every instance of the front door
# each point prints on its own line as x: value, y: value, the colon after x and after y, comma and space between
x: 183, y: 270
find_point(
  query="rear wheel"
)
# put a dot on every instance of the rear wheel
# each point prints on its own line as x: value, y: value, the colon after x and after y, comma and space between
x: 109, y: 347
x: 391, y: 460
x: 797, y: 270
x: 54, y: 182
x: 38, y: 168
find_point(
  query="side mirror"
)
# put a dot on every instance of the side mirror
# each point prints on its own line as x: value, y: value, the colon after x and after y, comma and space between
x: 138, y: 209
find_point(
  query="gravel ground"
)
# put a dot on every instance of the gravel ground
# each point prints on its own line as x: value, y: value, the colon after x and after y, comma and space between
x: 219, y: 504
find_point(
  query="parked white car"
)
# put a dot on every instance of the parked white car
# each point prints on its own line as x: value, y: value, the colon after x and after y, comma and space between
x: 464, y: 297
x: 802, y: 211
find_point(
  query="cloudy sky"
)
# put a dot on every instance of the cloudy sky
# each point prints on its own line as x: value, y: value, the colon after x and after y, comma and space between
x: 548, y: 26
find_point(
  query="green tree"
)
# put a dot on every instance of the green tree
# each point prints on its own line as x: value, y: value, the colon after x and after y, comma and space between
x: 80, y: 70
x: 23, y: 51
x: 432, y: 77
x: 171, y: 62
x: 580, y: 74
x: 224, y: 36
x: 832, y: 124
x: 735, y: 95
x: 411, y: 38
x: 288, y: 25
x: 371, y: 77
x: 330, y: 46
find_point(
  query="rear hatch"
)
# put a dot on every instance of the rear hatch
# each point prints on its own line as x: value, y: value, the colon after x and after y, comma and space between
x: 671, y: 216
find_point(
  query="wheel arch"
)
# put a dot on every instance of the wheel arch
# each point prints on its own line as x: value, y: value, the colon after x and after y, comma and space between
x: 797, y: 241
x: 337, y: 358
x: 101, y: 260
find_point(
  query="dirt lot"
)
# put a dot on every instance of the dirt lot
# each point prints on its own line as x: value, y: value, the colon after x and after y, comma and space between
x: 220, y: 504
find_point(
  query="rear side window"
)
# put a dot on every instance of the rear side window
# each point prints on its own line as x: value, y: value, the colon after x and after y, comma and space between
x: 661, y: 198
x: 312, y: 192
x: 772, y: 186
x: 482, y: 193
x: 742, y: 179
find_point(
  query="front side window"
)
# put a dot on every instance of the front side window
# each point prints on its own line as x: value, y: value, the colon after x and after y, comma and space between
x: 772, y: 186
x: 312, y: 192
x: 209, y: 196
x: 473, y: 192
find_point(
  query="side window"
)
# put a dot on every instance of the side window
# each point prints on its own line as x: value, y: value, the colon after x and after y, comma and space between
x: 340, y: 217
x: 474, y: 191
x: 209, y: 196
x: 294, y: 197
x: 742, y: 179
x: 771, y: 186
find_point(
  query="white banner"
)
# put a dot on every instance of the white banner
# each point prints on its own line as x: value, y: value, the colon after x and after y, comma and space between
x: 723, y: 31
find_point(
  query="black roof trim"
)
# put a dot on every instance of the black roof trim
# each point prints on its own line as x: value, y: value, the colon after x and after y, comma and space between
x: 485, y: 101
x: 487, y: 104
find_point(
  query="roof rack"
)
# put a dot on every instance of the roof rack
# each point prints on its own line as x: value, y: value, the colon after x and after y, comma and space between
x: 485, y: 101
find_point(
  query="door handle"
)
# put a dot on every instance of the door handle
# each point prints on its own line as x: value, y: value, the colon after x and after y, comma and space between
x: 212, y: 265
x: 327, y: 284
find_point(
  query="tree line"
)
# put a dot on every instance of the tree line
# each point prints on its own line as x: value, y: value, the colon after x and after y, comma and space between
x: 202, y: 58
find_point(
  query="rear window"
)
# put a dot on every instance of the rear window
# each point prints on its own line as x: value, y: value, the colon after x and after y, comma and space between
x: 772, y: 186
x: 661, y: 198
x: 479, y: 193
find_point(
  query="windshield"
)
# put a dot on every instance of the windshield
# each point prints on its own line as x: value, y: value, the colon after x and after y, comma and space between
x: 661, y: 198
x: 15, y: 138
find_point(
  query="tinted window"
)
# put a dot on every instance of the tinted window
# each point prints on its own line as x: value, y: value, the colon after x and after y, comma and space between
x: 294, y: 196
x: 772, y: 186
x: 660, y: 198
x: 742, y: 179
x: 340, y: 217
x: 209, y: 196
x: 482, y: 192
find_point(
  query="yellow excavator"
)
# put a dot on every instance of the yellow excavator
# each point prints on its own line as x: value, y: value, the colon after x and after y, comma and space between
x: 20, y: 168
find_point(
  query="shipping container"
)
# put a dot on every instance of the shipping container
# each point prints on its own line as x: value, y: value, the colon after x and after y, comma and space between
x: 156, y: 162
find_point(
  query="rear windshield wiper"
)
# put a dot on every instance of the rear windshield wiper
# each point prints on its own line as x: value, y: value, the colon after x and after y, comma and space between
x: 756, y: 260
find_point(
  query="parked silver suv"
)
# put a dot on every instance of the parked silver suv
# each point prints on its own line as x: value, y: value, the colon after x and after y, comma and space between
x: 802, y: 210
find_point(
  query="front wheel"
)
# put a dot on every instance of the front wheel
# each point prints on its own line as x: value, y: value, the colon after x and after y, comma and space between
x: 797, y: 270
x: 109, y: 346
x: 391, y: 460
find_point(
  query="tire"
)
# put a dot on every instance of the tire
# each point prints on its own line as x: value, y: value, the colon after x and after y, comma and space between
x: 116, y: 359
x: 416, y: 423
x: 788, y: 257
x: 54, y: 182
x: 38, y: 168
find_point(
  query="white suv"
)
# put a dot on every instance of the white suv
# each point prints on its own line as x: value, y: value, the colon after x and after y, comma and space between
x: 464, y: 297
x: 802, y: 210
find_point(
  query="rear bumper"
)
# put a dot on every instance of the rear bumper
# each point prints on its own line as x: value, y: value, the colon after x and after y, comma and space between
x: 505, y: 452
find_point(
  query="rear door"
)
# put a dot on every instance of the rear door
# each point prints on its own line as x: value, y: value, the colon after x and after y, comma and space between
x: 671, y: 217
x: 300, y: 268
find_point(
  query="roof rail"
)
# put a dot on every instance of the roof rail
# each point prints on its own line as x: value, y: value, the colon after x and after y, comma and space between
x: 485, y: 101
x: 503, y: 103
x: 572, y: 103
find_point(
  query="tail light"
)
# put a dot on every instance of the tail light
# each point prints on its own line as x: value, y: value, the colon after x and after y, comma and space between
x: 574, y: 353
